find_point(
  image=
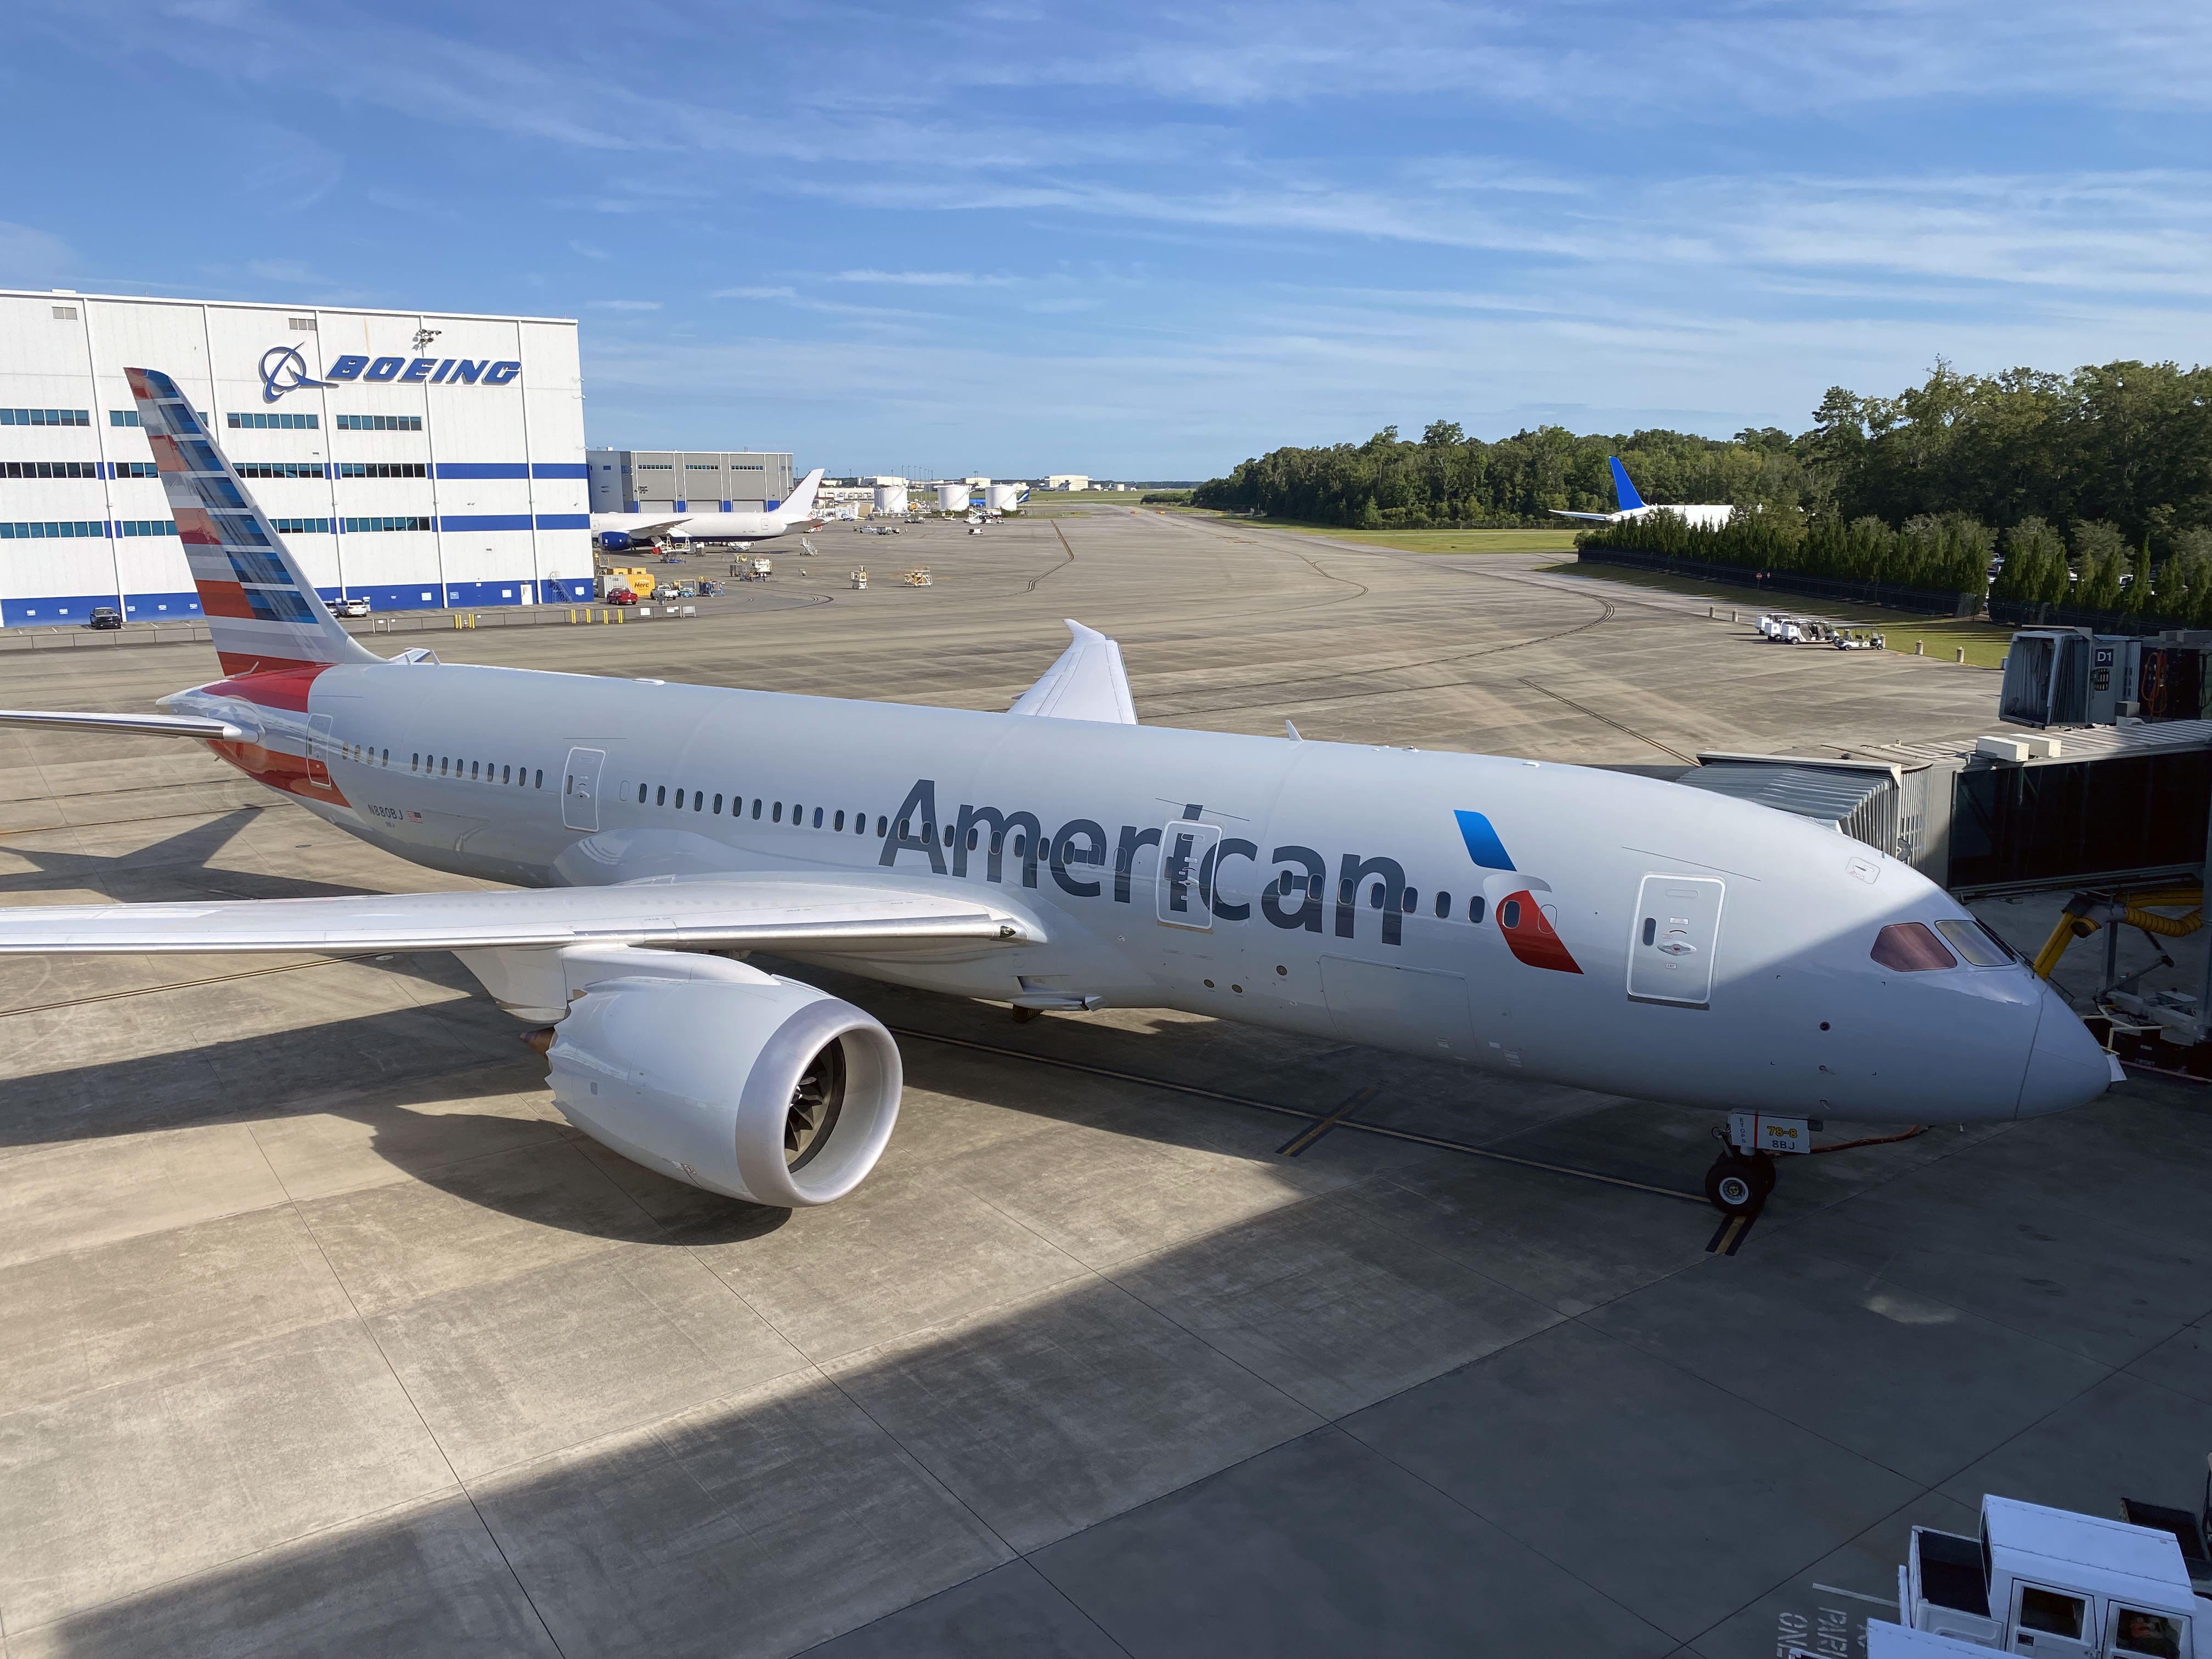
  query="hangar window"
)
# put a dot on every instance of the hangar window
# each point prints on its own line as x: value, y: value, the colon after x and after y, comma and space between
x: 301, y: 324
x: 278, y: 469
x: 1475, y: 907
x: 379, y: 469
x: 49, y: 469
x: 51, y: 417
x: 379, y: 422
x: 145, y: 527
x: 1907, y: 947
x: 49, y: 529
x: 255, y: 421
x: 301, y: 526
x: 134, y: 470
x: 362, y: 526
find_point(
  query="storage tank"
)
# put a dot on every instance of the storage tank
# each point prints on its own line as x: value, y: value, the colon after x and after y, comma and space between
x: 891, y: 498
x: 952, y: 498
x: 1003, y: 497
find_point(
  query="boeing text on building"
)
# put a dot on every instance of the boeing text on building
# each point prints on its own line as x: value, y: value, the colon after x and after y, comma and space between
x: 415, y: 459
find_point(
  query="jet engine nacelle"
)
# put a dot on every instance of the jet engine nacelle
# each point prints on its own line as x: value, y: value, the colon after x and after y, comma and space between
x: 743, y: 1084
x: 613, y: 540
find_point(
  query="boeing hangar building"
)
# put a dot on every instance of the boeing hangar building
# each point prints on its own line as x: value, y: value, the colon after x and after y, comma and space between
x: 418, y: 459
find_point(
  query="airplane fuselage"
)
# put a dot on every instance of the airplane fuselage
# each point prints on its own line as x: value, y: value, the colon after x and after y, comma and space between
x: 1552, y: 921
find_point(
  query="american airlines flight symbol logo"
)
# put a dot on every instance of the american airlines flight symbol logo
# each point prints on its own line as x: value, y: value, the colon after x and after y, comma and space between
x: 1528, y: 931
x: 278, y: 362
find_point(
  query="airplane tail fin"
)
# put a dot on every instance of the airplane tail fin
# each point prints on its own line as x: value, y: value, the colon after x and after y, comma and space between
x: 1624, y: 491
x: 262, y: 612
x: 799, y: 504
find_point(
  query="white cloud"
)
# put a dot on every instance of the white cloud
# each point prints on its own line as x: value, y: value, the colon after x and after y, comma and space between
x: 924, y: 278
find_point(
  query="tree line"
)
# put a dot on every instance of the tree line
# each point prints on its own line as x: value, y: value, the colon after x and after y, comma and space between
x: 2092, y: 474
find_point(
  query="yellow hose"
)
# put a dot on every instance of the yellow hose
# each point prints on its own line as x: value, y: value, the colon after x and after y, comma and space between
x: 2074, y: 924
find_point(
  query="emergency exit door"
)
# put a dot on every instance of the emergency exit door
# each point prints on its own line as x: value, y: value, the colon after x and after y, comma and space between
x: 1186, y: 853
x: 1677, y: 927
x: 580, y: 788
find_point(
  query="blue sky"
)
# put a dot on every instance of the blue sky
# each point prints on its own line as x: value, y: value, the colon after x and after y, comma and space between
x: 1146, y: 241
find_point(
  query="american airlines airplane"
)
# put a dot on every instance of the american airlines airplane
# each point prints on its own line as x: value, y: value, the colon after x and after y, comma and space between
x: 1589, y: 927
x: 1706, y: 516
x: 614, y: 531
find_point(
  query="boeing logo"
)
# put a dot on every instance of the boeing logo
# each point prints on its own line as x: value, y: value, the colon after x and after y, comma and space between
x: 283, y: 369
x: 279, y: 360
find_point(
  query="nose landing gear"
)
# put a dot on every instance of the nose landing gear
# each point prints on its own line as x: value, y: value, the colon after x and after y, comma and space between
x: 1738, y: 1183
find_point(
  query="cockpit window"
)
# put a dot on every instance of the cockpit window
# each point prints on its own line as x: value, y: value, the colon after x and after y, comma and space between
x: 1909, y: 948
x: 1980, y: 947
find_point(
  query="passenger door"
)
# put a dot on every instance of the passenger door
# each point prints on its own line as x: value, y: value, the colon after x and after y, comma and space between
x: 580, y: 788
x: 1677, y: 930
x: 319, y: 748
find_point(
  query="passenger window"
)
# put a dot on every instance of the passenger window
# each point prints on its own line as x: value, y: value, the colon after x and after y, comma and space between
x: 718, y: 806
x: 840, y: 823
x: 442, y: 765
x: 506, y: 774
x: 2047, y: 1611
x: 1980, y: 947
x: 2155, y: 1635
x: 860, y: 824
x: 1508, y: 913
x: 1411, y: 901
x: 1375, y: 899
x: 415, y: 763
x: 1443, y: 906
x: 903, y: 826
x: 660, y: 796
x: 1475, y: 907
x: 1907, y: 947
x: 883, y: 826
x: 540, y: 784
x: 679, y: 800
x: 756, y: 805
x: 1650, y: 929
x: 387, y: 757
x: 698, y: 800
x: 776, y: 817
x: 818, y: 817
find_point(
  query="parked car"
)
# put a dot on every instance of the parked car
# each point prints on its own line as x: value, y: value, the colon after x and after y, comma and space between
x: 621, y: 596
x: 104, y: 616
x: 356, y: 606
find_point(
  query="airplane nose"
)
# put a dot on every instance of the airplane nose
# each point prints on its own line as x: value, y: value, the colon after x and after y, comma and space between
x: 2066, y: 1068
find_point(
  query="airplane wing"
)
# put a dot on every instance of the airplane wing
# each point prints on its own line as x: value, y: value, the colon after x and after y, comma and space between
x: 1595, y: 518
x: 752, y: 911
x: 644, y: 527
x: 157, y: 725
x: 1087, y: 682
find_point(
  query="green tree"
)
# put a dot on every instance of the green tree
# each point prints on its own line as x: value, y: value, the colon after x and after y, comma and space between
x: 2100, y: 550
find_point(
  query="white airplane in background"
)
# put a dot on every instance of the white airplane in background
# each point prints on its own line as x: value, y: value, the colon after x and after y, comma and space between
x: 615, y: 532
x: 1707, y: 516
x: 1589, y: 927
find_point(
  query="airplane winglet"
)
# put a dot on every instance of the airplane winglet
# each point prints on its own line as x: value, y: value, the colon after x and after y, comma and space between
x: 1087, y: 682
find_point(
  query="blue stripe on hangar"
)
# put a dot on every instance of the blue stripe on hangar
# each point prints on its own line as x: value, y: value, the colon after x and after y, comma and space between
x: 570, y: 470
x: 475, y: 521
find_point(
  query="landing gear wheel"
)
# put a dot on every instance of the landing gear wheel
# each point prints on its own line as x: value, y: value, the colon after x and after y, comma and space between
x: 1737, y: 1185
